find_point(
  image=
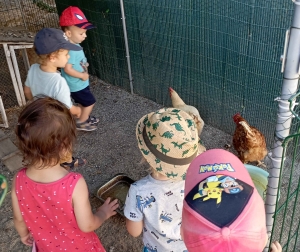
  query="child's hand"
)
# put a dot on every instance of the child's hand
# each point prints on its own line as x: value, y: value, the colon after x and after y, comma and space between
x: 276, y: 247
x: 84, y: 76
x: 107, y: 209
x: 27, y: 239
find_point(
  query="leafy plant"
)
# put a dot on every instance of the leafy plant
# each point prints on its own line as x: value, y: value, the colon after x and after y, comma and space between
x: 44, y: 6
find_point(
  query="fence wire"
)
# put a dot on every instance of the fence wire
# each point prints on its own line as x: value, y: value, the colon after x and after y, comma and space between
x: 220, y: 56
x: 287, y: 218
x: 11, y: 14
x: 7, y: 91
x: 29, y: 15
x: 104, y: 46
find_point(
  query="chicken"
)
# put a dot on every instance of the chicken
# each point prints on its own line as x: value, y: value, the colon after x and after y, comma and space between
x: 177, y: 102
x: 248, y: 141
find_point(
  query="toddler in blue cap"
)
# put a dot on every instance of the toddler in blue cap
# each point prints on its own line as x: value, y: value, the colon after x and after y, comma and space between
x: 52, y: 47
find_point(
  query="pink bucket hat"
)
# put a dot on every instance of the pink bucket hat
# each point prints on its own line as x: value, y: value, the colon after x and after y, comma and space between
x: 222, y: 210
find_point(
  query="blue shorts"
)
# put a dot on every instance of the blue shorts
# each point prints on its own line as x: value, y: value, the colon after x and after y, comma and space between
x: 84, y: 97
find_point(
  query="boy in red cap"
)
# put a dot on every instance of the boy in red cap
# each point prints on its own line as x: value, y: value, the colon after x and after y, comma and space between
x: 74, y: 24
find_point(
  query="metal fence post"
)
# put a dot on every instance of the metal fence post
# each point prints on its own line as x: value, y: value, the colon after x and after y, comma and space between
x: 126, y: 46
x: 284, y: 116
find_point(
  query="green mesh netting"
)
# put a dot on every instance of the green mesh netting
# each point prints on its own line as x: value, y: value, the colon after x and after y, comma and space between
x: 220, y: 56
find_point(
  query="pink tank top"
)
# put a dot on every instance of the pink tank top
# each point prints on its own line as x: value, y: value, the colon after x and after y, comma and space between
x: 49, y: 215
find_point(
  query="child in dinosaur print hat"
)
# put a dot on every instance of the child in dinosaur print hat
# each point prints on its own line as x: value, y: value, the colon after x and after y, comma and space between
x: 168, y: 140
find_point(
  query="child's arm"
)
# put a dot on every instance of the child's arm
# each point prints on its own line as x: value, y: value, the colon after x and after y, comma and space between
x: 27, y: 93
x: 134, y: 228
x: 86, y: 220
x: 18, y: 219
x: 134, y: 216
x: 72, y: 72
x: 276, y: 247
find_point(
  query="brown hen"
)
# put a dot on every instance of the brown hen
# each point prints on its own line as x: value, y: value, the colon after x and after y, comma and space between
x: 248, y: 141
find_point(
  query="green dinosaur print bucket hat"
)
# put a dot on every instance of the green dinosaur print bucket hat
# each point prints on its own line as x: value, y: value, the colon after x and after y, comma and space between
x: 168, y: 140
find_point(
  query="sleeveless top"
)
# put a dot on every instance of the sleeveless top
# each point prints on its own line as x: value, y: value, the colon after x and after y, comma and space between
x: 49, y: 215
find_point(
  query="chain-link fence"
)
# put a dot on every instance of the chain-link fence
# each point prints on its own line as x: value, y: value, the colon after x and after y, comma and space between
x: 29, y: 15
x: 220, y: 56
x: 11, y: 14
x: 286, y: 226
x: 7, y: 91
x: 16, y: 63
x: 20, y: 20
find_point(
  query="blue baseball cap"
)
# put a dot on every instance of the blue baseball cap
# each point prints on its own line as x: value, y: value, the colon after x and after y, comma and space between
x: 49, y: 40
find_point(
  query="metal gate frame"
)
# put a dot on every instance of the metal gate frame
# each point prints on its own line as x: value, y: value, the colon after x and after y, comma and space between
x: 12, y: 63
x: 293, y: 189
x: 3, y: 115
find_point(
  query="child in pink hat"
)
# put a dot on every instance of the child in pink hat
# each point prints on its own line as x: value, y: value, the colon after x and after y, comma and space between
x: 222, y: 210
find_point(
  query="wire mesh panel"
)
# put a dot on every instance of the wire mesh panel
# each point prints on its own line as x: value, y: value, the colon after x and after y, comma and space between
x: 220, y: 56
x: 39, y: 14
x: 30, y: 15
x: 7, y: 91
x: 21, y: 62
x: 11, y: 14
x: 286, y: 218
x: 104, y: 47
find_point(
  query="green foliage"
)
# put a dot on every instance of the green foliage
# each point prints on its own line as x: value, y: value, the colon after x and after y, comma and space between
x: 44, y: 6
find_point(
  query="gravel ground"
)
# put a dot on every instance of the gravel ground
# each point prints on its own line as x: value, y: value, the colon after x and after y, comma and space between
x: 109, y: 150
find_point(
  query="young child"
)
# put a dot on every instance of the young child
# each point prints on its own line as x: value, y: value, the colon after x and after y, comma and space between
x: 52, y: 47
x: 74, y: 24
x: 168, y: 140
x: 50, y: 205
x: 222, y: 210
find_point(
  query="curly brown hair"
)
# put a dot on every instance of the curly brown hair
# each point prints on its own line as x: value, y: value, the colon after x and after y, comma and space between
x: 46, y: 130
x: 43, y: 58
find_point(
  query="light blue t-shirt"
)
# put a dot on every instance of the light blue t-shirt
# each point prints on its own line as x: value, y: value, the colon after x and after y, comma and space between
x: 79, y: 63
x: 50, y: 84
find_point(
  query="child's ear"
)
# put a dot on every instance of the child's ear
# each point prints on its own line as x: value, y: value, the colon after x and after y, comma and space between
x: 68, y: 33
x: 52, y: 58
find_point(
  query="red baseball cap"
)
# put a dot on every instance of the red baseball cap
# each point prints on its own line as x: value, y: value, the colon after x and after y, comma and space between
x: 74, y: 16
x: 222, y: 210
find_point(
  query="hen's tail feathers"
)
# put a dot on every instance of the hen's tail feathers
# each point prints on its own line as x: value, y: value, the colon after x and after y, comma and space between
x: 246, y: 127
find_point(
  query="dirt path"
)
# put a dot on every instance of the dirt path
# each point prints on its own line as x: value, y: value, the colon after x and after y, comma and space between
x: 109, y: 150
